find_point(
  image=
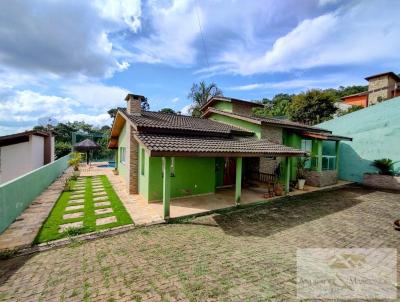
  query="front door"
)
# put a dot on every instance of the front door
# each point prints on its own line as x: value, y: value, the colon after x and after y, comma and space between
x: 229, y: 171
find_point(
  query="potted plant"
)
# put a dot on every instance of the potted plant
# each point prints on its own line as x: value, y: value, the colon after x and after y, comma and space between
x: 386, y: 177
x: 75, y: 161
x: 301, y: 172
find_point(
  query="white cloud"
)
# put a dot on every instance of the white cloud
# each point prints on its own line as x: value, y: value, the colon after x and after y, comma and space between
x: 186, y: 110
x: 96, y: 95
x: 96, y: 120
x: 175, y: 100
x: 324, y: 82
x: 353, y: 34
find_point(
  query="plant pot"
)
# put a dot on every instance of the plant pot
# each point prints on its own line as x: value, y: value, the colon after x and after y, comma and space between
x: 278, y: 190
x: 300, y: 183
x: 76, y: 173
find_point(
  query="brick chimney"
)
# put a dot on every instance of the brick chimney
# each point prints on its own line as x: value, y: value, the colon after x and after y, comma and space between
x: 134, y: 103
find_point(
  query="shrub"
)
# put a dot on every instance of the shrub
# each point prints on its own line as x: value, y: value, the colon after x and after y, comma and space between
x: 75, y: 160
x: 384, y: 165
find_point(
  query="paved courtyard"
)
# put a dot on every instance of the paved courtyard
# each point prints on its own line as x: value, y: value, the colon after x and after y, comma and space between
x: 246, y: 255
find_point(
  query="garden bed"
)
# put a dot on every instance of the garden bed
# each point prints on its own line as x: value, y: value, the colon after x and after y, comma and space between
x: 381, y: 181
x: 91, y: 205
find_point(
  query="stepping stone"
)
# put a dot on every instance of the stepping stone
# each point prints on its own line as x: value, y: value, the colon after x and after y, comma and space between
x: 102, y: 203
x: 77, y: 196
x: 71, y: 225
x: 74, y: 201
x: 99, y: 193
x: 78, y: 192
x: 97, y: 185
x: 103, y: 211
x: 73, y: 215
x: 98, y: 190
x: 73, y: 208
x: 100, y: 198
x: 106, y: 220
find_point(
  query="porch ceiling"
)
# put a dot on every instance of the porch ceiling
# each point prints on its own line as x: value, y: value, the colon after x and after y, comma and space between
x: 326, y: 136
x: 174, y: 145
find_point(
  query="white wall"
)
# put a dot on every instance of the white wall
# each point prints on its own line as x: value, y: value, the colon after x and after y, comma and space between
x: 37, y: 155
x: 18, y: 159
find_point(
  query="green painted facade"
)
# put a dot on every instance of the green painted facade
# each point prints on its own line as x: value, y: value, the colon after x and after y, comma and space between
x: 376, y: 134
x: 190, y: 176
x: 144, y: 164
x: 123, y: 143
x: 256, y: 129
x: 16, y: 195
x: 224, y: 106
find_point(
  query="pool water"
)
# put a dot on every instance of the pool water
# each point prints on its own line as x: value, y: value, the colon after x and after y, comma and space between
x: 110, y: 164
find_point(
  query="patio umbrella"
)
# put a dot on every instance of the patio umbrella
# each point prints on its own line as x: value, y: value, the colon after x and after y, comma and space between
x: 86, y: 145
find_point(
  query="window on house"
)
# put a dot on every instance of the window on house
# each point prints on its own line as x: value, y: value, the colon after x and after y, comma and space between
x: 142, y: 161
x: 122, y: 154
x: 306, y: 145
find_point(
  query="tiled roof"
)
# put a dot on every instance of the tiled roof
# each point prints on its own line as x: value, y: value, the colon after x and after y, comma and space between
x: 269, y: 121
x: 174, y: 145
x: 147, y: 121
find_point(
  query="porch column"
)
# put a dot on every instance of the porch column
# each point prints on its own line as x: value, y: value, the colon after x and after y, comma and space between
x: 319, y: 155
x: 166, y: 165
x: 238, y: 185
x: 287, y: 174
x: 337, y: 143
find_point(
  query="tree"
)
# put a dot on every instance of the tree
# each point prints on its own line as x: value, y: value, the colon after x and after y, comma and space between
x: 112, y: 112
x: 350, y: 110
x: 200, y: 94
x: 312, y: 107
x: 278, y: 106
x: 167, y: 110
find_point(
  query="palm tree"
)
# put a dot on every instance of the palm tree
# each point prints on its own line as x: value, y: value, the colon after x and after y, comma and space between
x: 200, y: 94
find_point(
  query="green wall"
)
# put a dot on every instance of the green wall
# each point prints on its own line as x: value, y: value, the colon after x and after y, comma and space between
x: 256, y: 129
x: 123, y: 142
x: 193, y: 176
x: 292, y: 140
x: 376, y: 134
x: 16, y: 195
x: 143, y: 173
x: 224, y: 106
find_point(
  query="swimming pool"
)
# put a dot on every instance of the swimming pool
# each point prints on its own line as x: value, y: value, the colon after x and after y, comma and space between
x: 111, y: 164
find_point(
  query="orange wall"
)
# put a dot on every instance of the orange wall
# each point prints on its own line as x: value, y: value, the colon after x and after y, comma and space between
x: 357, y: 100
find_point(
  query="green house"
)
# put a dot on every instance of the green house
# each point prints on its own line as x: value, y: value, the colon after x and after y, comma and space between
x: 165, y: 156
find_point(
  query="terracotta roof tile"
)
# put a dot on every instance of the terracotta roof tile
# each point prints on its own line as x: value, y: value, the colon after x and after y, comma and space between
x: 214, y: 145
x: 158, y: 120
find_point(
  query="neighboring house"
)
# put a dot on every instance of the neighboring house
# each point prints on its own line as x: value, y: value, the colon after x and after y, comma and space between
x: 381, y: 87
x: 163, y: 156
x: 23, y: 152
x: 376, y: 134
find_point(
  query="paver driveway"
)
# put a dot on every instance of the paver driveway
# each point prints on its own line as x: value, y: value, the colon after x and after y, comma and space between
x: 244, y: 255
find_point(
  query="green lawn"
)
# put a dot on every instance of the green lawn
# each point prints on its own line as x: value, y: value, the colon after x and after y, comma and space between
x: 50, y: 229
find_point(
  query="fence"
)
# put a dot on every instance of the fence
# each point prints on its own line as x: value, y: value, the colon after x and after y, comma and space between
x: 16, y: 195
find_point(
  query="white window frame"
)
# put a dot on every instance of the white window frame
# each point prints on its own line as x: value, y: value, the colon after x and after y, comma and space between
x: 122, y: 155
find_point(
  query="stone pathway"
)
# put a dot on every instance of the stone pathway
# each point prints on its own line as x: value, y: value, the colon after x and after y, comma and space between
x: 139, y: 210
x: 23, y: 230
x: 76, y: 207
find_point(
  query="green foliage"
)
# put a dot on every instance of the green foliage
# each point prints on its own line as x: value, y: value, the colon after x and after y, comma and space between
x: 350, y: 110
x: 301, y: 167
x: 75, y: 160
x: 200, y: 94
x: 62, y: 149
x: 277, y: 107
x: 384, y: 165
x: 167, y: 110
x: 312, y: 107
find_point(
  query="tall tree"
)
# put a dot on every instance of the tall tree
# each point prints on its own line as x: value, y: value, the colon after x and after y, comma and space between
x: 200, y: 93
x: 167, y: 110
x: 312, y: 107
x: 277, y: 107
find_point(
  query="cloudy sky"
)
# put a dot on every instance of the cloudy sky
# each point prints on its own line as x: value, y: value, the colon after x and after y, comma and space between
x: 73, y: 60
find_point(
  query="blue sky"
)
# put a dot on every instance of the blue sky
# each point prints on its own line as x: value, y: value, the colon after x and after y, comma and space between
x: 73, y: 60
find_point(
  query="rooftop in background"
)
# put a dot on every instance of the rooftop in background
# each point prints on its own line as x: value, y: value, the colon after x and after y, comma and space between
x: 228, y: 99
x: 389, y: 73
x: 21, y: 137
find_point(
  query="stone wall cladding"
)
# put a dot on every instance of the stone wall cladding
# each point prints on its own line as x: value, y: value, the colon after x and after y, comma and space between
x: 273, y: 134
x: 242, y: 108
x: 133, y: 187
x: 382, y: 181
x: 321, y: 179
x: 378, y: 83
